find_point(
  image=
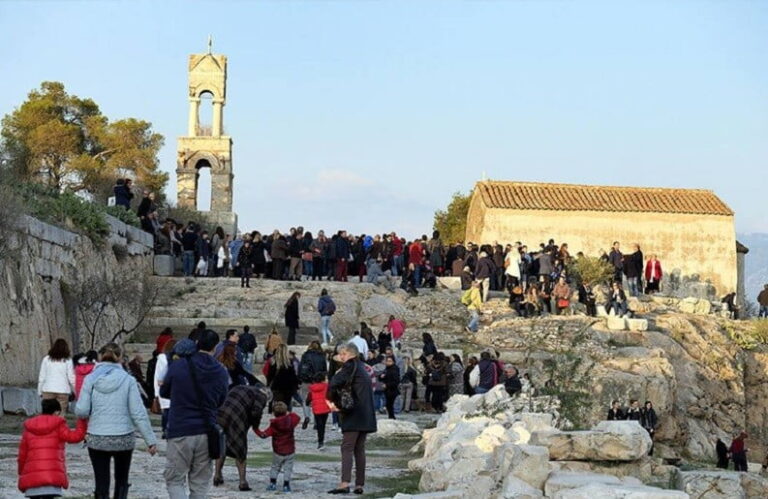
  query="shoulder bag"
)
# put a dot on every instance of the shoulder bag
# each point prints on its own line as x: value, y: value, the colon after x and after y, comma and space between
x: 346, y: 395
x: 215, y: 433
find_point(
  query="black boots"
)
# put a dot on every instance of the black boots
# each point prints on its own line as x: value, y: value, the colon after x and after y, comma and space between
x: 121, y: 492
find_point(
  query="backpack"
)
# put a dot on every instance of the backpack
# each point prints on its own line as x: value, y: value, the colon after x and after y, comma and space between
x: 436, y: 376
x: 306, y: 371
x: 330, y: 308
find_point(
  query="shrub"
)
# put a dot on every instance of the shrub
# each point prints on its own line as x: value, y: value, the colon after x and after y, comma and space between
x: 749, y: 338
x: 591, y: 269
x: 125, y: 216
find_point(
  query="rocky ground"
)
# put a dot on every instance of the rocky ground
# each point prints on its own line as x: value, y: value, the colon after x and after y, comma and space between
x: 314, y: 472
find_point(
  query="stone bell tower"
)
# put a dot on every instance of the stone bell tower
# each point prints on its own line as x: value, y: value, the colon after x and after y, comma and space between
x: 207, y: 147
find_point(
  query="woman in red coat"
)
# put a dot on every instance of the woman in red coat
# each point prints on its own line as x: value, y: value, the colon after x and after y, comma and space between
x: 42, y: 466
x: 652, y: 275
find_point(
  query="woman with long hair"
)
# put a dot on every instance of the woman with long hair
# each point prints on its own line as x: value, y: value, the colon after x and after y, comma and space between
x: 161, y: 368
x: 110, y: 400
x: 236, y: 371
x: 456, y: 369
x: 57, y: 374
x: 292, y: 316
x: 282, y: 378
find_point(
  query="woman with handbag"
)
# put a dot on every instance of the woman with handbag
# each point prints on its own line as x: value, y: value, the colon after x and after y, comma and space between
x: 562, y: 295
x: 351, y: 395
x: 110, y: 400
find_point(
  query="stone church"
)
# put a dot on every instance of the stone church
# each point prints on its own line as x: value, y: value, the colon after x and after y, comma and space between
x: 691, y: 231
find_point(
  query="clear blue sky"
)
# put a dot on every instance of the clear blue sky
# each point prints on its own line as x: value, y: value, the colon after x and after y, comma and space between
x: 369, y: 115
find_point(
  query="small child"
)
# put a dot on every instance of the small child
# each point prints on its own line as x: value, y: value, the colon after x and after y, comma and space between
x: 41, y: 462
x: 281, y: 429
x: 316, y: 397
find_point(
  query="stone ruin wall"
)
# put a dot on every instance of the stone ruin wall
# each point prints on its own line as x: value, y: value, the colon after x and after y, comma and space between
x: 36, y: 279
x: 703, y: 245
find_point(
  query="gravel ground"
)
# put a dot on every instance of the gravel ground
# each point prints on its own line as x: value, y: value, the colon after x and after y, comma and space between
x: 315, y: 472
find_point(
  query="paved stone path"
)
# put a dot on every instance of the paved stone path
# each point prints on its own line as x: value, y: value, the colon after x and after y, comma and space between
x: 314, y: 473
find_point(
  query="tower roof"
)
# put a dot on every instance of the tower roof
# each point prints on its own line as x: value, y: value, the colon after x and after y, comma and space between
x: 572, y: 197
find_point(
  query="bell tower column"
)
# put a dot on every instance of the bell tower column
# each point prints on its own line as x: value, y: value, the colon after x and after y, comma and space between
x: 218, y: 108
x: 194, y: 116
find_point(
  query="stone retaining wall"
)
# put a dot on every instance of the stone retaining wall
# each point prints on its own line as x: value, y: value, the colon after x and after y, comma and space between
x: 36, y: 302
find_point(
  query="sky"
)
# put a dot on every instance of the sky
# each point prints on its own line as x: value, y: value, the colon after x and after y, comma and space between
x: 369, y: 115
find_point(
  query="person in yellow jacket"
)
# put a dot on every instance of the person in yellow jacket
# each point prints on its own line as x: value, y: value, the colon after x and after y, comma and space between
x: 473, y: 299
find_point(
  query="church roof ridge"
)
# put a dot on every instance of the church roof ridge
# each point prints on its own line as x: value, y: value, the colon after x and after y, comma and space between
x: 522, y: 195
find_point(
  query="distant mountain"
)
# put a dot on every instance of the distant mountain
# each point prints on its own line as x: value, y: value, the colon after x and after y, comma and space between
x: 756, y: 271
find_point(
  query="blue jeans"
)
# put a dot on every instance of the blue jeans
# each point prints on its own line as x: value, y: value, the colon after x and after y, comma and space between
x: 397, y: 265
x: 474, y: 320
x: 417, y: 276
x: 325, y: 328
x: 480, y: 390
x: 763, y: 312
x: 308, y: 268
x: 379, y: 400
x: 619, y: 308
x: 188, y: 261
x: 633, y: 286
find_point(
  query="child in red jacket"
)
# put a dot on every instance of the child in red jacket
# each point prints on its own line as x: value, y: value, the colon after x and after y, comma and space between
x: 317, y: 398
x: 283, y: 444
x: 42, y: 466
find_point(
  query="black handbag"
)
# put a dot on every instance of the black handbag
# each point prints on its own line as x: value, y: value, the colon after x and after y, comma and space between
x: 217, y: 439
x: 346, y: 395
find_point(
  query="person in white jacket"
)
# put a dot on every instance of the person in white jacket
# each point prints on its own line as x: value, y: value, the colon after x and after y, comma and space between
x: 512, y: 266
x: 57, y: 374
x: 161, y: 368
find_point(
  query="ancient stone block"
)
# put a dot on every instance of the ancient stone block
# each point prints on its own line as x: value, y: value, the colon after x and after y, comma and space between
x: 711, y: 484
x: 525, y: 462
x: 396, y: 429
x: 163, y: 265
x: 21, y: 401
x: 637, y: 324
x: 616, y: 323
x: 563, y: 480
x: 612, y: 491
x: 608, y: 441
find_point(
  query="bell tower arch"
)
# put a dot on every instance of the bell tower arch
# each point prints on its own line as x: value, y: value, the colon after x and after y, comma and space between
x: 207, y: 146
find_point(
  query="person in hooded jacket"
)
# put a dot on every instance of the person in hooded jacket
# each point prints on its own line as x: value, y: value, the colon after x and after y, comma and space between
x: 84, y: 363
x: 111, y: 402
x: 391, y: 380
x: 312, y: 363
x: 41, y: 463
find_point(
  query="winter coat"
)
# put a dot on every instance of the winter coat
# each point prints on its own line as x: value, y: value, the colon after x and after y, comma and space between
x: 762, y: 298
x: 279, y: 249
x: 41, y: 459
x: 472, y: 299
x: 317, y: 398
x: 123, y: 195
x: 342, y: 248
x: 653, y: 272
x: 188, y: 415
x: 616, y: 259
x: 362, y: 417
x: 247, y: 343
x: 325, y: 306
x: 292, y: 314
x: 56, y: 376
x: 281, y: 430
x: 512, y: 385
x: 415, y: 253
x: 437, y: 373
x: 616, y: 415
x: 634, y: 267
x: 648, y: 419
x: 283, y: 380
x: 161, y: 369
x: 391, y: 378
x: 485, y: 268
x: 245, y: 256
x: 312, y: 363
x: 111, y: 402
x: 487, y: 373
x: 545, y: 263
x: 81, y: 371
x: 396, y: 328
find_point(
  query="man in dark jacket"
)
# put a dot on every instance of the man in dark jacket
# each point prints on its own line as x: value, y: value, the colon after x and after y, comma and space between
x: 356, y: 423
x: 722, y: 454
x: 486, y: 373
x: 197, y: 387
x: 247, y: 343
x: 633, y: 269
x: 616, y: 259
x: 615, y: 413
x: 342, y: 256
x: 312, y: 363
x: 511, y: 380
x: 484, y: 274
x: 123, y: 194
x: 189, y: 245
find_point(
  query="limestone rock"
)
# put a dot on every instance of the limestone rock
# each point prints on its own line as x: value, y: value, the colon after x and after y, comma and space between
x: 525, y: 462
x: 611, y: 491
x: 163, y: 265
x: 711, y: 484
x: 637, y: 324
x: 609, y: 441
x: 21, y: 401
x: 564, y: 480
x: 446, y: 494
x: 396, y: 429
x: 514, y: 488
x: 615, y: 323
x: 755, y: 486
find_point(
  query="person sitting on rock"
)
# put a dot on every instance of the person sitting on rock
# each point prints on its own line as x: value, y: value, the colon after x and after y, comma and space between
x: 587, y: 298
x: 511, y: 380
x: 617, y: 301
x: 484, y: 376
x: 615, y: 413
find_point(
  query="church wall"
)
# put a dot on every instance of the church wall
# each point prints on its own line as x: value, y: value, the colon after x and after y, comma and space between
x: 703, y: 245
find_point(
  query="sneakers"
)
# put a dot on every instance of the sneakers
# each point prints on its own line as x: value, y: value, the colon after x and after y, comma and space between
x: 321, y: 447
x: 306, y: 424
x: 334, y: 427
x: 286, y: 488
x: 272, y: 487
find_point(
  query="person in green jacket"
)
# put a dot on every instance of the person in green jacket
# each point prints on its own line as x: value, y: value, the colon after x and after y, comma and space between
x: 473, y: 299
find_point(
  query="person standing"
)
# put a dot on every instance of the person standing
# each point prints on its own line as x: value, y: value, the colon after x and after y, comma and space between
x: 722, y: 454
x: 468, y: 388
x: 456, y: 369
x: 484, y: 272
x: 247, y: 345
x: 189, y: 246
x: 473, y: 301
x: 122, y: 192
x: 762, y: 301
x: 281, y: 377
x: 407, y: 383
x: 57, y: 374
x: 111, y: 402
x: 279, y: 254
x: 320, y: 408
x: 633, y: 269
x: 415, y: 257
x: 281, y: 429
x: 616, y: 259
x: 356, y: 422
x: 197, y: 387
x: 326, y: 308
x: 485, y: 375
x: 312, y: 363
x: 391, y: 380
x: 292, y: 316
x: 738, y: 452
x: 649, y: 421
x: 342, y: 256
x: 245, y: 263
x: 438, y: 380
x: 653, y: 275
x: 161, y: 369
x: 562, y: 295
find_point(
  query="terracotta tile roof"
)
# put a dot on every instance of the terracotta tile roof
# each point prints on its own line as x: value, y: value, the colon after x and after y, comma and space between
x: 570, y: 197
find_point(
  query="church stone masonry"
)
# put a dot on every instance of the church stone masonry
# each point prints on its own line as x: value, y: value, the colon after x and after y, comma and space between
x: 207, y: 147
x: 691, y: 231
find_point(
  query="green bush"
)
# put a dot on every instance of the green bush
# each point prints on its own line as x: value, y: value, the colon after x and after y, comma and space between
x: 126, y: 216
x: 756, y: 334
x: 591, y: 269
